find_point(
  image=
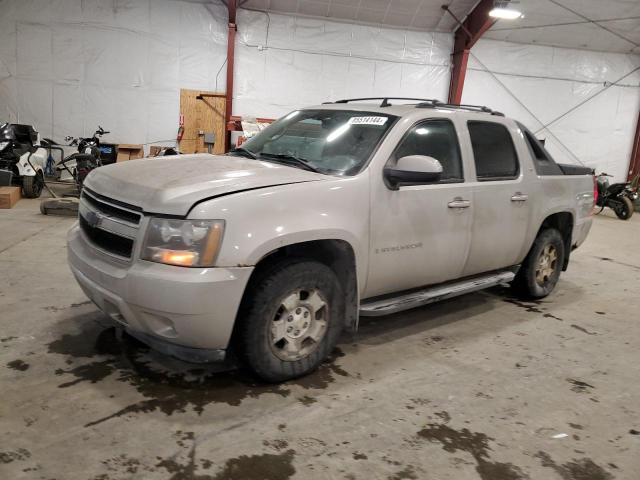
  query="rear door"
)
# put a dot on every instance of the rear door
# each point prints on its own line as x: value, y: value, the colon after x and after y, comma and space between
x: 500, y: 197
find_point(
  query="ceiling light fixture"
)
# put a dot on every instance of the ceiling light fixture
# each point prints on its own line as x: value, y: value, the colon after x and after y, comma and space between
x: 502, y: 10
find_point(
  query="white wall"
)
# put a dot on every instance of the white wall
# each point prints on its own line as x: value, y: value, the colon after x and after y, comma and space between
x: 284, y: 62
x: 68, y: 65
x: 536, y: 84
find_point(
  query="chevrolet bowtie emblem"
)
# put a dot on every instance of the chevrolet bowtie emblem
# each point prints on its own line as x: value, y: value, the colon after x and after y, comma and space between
x: 93, y: 219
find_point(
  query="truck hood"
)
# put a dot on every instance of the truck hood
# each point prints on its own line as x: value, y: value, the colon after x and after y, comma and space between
x: 172, y: 185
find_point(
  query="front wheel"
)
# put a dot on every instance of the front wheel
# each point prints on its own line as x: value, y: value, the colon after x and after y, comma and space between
x: 290, y: 319
x: 541, y: 269
x: 32, y: 186
x: 625, y: 209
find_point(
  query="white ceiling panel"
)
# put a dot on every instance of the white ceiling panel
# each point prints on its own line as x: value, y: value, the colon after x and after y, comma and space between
x: 411, y: 14
x: 604, y: 25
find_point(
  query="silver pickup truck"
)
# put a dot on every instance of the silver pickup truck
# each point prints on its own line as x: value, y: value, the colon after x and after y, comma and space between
x: 333, y: 212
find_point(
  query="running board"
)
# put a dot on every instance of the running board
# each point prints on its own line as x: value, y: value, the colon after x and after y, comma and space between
x: 389, y: 305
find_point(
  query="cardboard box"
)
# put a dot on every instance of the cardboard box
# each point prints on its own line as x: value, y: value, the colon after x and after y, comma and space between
x: 9, y: 196
x: 129, y: 151
x: 154, y: 150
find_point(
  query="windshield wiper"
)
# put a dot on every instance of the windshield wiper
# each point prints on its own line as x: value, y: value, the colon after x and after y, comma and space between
x: 243, y: 152
x: 290, y: 160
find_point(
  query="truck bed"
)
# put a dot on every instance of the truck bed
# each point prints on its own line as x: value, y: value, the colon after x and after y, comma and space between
x: 568, y: 169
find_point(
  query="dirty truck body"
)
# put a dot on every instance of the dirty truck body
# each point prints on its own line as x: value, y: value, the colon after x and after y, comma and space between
x: 392, y: 229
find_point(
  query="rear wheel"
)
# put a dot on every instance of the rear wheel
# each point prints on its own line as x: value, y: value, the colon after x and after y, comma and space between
x: 290, y: 319
x: 625, y: 209
x: 32, y: 186
x: 541, y: 269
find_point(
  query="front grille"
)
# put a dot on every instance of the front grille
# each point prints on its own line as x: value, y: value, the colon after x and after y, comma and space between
x: 105, y: 240
x: 113, y: 208
x: 108, y: 224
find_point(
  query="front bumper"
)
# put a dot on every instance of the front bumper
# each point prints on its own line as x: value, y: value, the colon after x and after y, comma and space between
x: 185, y: 312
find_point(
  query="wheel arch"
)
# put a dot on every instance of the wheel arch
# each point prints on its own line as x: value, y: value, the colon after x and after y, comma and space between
x: 563, y: 222
x: 337, y: 254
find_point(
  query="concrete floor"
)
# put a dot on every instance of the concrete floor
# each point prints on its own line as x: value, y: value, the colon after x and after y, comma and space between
x: 483, y: 386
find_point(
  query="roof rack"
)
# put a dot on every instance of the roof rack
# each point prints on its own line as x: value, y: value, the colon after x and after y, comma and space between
x: 454, y: 106
x: 385, y: 100
x: 424, y: 103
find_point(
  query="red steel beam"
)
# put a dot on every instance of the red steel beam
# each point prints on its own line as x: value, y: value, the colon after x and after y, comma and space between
x: 465, y: 37
x: 231, y: 46
x: 634, y: 162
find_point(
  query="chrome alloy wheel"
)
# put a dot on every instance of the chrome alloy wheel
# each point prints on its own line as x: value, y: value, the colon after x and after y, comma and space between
x: 299, y: 325
x: 546, y: 264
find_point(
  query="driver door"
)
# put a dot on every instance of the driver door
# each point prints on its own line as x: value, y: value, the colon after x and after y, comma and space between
x: 420, y: 235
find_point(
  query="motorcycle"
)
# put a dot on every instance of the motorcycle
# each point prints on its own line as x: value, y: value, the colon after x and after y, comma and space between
x: 22, y: 159
x: 87, y: 158
x: 619, y: 197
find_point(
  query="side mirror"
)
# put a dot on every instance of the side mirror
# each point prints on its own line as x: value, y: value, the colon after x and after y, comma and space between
x: 413, y: 170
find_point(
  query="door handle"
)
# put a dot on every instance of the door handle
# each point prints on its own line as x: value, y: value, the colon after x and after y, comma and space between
x: 519, y: 197
x: 459, y: 202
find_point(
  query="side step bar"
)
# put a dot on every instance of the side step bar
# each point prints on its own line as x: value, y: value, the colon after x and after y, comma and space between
x: 389, y: 305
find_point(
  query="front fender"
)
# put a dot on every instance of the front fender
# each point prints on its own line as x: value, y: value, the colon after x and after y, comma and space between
x: 260, y: 221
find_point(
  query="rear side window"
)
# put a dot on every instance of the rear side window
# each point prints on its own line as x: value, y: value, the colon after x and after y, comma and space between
x: 437, y: 139
x: 542, y: 160
x: 493, y: 151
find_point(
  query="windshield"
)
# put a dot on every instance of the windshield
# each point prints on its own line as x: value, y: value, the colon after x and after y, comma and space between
x: 336, y: 142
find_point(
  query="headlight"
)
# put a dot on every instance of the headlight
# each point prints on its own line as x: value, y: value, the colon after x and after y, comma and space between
x: 3, y: 145
x: 187, y: 243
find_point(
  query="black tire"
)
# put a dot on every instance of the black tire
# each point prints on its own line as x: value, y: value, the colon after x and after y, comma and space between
x: 625, y: 210
x: 534, y: 281
x: 32, y: 186
x: 263, y: 308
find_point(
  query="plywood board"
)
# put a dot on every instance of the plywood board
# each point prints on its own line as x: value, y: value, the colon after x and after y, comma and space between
x: 206, y: 115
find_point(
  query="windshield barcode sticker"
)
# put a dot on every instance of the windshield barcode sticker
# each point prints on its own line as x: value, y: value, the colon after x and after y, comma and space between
x: 368, y: 120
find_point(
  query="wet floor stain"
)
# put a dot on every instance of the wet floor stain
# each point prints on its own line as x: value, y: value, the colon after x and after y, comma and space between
x: 532, y: 307
x: 18, y: 365
x: 123, y: 464
x: 407, y: 473
x: 258, y: 467
x: 17, y: 455
x: 630, y: 265
x: 185, y: 464
x: 477, y: 445
x: 187, y: 470
x: 579, y: 386
x: 307, y: 401
x: 277, y: 444
x: 578, y: 469
x: 582, y: 329
x: 167, y: 385
x: 433, y: 340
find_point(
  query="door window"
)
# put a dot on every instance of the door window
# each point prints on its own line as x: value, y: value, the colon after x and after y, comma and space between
x: 542, y: 160
x: 493, y: 151
x: 437, y: 139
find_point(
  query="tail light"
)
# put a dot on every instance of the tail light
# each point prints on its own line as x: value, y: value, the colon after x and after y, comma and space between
x: 595, y: 190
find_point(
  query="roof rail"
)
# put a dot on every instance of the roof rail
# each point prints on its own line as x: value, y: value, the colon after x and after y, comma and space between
x: 454, y: 106
x: 385, y: 100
